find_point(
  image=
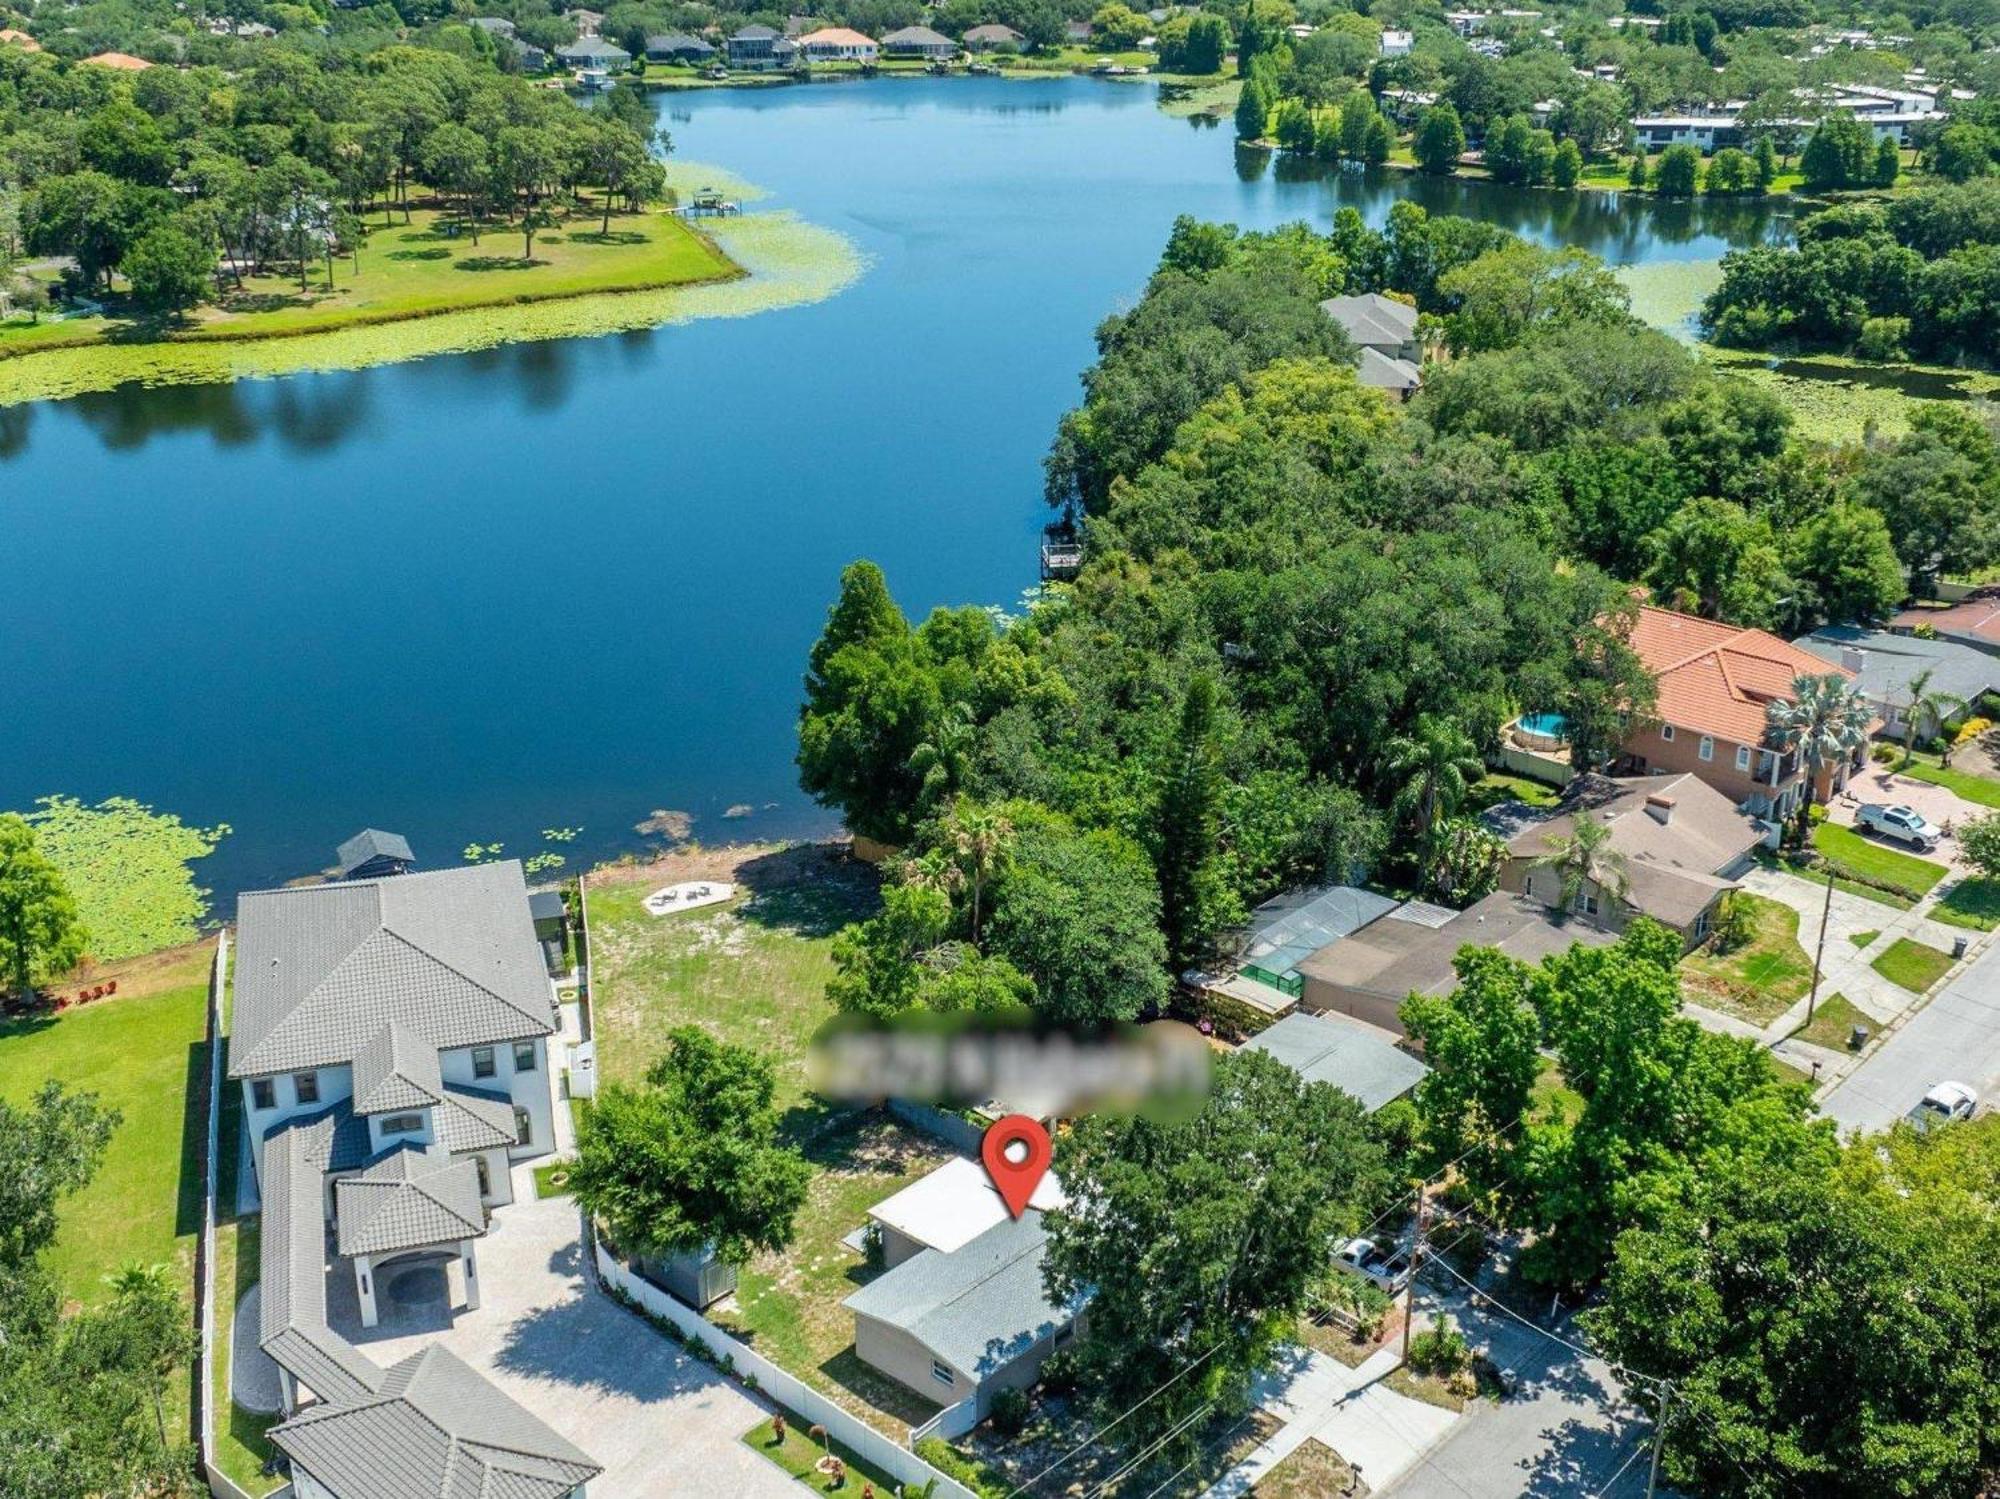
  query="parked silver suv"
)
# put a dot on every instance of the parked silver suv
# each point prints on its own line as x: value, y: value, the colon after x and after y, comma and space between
x: 1903, y: 824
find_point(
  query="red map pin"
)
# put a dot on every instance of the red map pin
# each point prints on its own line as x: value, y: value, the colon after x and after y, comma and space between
x: 1016, y: 1152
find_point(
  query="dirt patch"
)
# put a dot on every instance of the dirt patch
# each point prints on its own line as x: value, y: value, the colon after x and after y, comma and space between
x: 757, y: 867
x: 149, y: 973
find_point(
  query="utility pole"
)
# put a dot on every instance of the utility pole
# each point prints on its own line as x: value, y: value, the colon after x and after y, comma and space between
x: 1659, y: 1437
x: 1416, y: 1263
x: 1819, y: 948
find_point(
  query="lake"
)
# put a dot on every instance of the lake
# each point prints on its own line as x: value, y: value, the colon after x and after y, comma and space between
x: 568, y: 584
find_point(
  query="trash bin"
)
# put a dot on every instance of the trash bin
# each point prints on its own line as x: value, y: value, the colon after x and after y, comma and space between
x: 1958, y: 947
x: 1857, y: 1037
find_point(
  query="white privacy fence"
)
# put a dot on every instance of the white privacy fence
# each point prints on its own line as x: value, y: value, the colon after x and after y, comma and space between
x: 805, y: 1403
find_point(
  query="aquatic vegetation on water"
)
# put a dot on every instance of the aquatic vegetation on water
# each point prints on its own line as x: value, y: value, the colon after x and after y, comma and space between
x: 1836, y: 399
x: 1667, y: 294
x: 790, y: 262
x: 686, y: 178
x: 127, y: 866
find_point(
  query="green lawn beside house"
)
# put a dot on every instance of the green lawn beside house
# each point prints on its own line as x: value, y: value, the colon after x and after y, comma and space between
x: 1981, y: 790
x: 1913, y: 965
x: 1834, y: 1019
x: 1973, y: 903
x: 142, y: 1051
x: 1759, y: 980
x: 1869, y: 862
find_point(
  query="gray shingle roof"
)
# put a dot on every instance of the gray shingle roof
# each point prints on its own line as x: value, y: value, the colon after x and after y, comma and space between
x: 1353, y: 1057
x: 1380, y: 372
x: 917, y: 36
x: 678, y: 41
x: 1888, y: 662
x: 410, y: 1199
x: 435, y: 1430
x: 593, y: 49
x: 396, y: 1069
x: 373, y: 843
x: 450, y: 954
x: 976, y: 1308
x: 1373, y: 319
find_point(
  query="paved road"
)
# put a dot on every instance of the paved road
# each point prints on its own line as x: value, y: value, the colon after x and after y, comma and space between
x: 1562, y: 1433
x: 1956, y: 1035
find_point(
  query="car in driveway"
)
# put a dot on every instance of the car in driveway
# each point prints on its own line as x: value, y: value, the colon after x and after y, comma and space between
x: 1388, y: 1270
x: 1899, y: 824
x: 1946, y: 1103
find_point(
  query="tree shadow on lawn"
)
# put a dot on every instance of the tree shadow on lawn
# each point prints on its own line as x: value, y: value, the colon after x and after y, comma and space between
x: 615, y: 237
x: 808, y: 891
x: 194, y: 1140
x: 438, y: 252
x: 496, y: 263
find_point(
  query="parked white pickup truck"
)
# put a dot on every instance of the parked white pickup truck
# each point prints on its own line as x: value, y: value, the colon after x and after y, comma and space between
x: 1903, y: 824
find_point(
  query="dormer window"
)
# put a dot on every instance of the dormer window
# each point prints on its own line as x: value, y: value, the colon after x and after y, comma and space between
x: 402, y: 1124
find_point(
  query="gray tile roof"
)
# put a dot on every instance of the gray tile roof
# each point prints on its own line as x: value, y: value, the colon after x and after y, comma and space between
x: 917, y: 36
x: 451, y: 955
x: 594, y: 49
x: 396, y: 1069
x: 976, y: 1308
x: 410, y: 1199
x: 292, y: 1267
x: 471, y: 1119
x: 435, y: 1430
x: 1373, y: 320
x: 373, y: 843
x: 1355, y: 1058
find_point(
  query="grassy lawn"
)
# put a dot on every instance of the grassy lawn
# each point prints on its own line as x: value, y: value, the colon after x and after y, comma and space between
x: 1862, y: 939
x: 1759, y: 980
x: 141, y: 1051
x: 798, y: 1452
x: 416, y: 269
x: 1553, y: 1098
x: 752, y: 971
x: 1973, y: 903
x: 787, y: 1306
x: 552, y: 1180
x: 1852, y: 854
x: 1806, y: 871
x: 1314, y: 1471
x: 241, y: 1447
x: 1983, y: 790
x: 1912, y: 964
x: 1497, y: 786
x: 1833, y: 1017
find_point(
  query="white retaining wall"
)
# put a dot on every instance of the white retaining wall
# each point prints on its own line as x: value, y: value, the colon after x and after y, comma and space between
x: 1535, y: 767
x: 807, y: 1404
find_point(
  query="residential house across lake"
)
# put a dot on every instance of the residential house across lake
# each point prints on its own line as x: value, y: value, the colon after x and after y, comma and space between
x: 679, y: 46
x: 760, y: 48
x: 919, y: 41
x: 837, y: 44
x: 1385, y: 331
x: 993, y: 37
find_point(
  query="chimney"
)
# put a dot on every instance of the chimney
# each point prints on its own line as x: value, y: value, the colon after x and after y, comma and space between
x: 1853, y: 658
x: 1660, y: 808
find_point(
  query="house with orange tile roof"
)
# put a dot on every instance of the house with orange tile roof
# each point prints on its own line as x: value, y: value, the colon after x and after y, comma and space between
x: 124, y: 62
x: 1714, y: 683
x: 13, y: 37
x: 837, y: 44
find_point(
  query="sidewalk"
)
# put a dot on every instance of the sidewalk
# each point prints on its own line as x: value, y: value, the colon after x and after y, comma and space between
x: 1379, y: 1432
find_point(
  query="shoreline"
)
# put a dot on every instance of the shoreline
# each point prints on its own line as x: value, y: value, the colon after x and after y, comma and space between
x: 780, y: 261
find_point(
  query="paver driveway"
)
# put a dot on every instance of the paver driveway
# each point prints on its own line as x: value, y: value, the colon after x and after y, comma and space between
x: 663, y: 1424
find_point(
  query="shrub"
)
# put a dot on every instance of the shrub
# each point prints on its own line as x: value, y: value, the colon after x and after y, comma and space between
x: 1059, y: 1373
x: 1010, y: 1412
x: 1883, y: 339
x: 1735, y: 923
x: 1979, y: 841
x: 1440, y: 1350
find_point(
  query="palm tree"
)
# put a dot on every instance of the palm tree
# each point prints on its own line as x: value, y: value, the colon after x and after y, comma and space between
x: 944, y: 759
x: 1927, y: 704
x: 1826, y: 721
x: 1586, y: 858
x: 979, y: 839
x: 1432, y: 767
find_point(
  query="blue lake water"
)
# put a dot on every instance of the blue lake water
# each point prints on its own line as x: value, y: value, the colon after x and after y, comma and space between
x: 566, y: 584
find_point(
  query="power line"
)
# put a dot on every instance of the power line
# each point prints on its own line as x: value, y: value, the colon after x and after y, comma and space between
x: 1158, y: 1390
x: 1200, y: 1413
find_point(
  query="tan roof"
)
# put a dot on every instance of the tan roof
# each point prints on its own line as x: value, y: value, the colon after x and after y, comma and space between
x: 836, y: 36
x: 1398, y: 957
x: 1677, y: 834
x: 1979, y: 618
x: 1714, y: 678
x: 123, y: 61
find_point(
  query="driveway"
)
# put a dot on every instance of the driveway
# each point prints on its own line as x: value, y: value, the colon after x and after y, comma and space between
x: 1563, y: 1432
x: 1956, y: 1035
x: 1879, y: 784
x: 663, y: 1424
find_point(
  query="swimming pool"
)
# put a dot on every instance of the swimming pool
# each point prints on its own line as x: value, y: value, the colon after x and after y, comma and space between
x: 1546, y: 725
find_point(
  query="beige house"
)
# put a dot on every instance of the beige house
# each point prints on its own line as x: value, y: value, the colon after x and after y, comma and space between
x: 1678, y: 842
x: 961, y: 1313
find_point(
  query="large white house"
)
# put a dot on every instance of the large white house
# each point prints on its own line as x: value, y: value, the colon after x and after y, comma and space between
x: 390, y: 1039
